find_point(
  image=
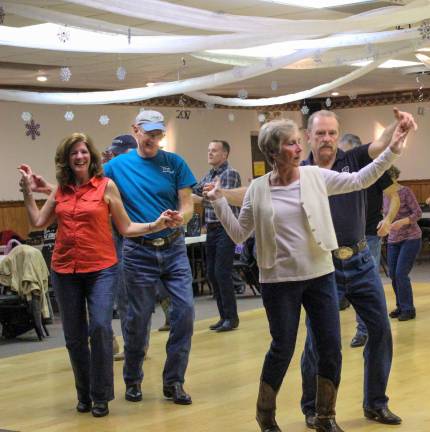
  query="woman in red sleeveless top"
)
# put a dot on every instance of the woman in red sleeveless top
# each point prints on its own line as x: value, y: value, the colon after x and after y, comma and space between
x: 84, y: 262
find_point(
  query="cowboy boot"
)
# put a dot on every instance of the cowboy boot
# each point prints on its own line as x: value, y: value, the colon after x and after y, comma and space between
x: 165, y: 305
x: 266, y: 408
x: 325, y: 420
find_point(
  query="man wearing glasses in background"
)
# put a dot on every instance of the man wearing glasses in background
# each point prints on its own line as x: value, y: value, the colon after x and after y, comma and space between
x: 150, y: 179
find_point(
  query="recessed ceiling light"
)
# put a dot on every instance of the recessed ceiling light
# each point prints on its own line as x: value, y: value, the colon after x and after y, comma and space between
x: 42, y: 78
x: 389, y: 64
x: 335, y: 93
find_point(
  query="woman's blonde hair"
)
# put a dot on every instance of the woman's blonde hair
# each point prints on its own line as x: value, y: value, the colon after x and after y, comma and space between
x: 63, y: 171
x: 271, y: 136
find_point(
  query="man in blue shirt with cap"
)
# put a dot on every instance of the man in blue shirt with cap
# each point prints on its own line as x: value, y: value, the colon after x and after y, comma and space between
x: 150, y: 179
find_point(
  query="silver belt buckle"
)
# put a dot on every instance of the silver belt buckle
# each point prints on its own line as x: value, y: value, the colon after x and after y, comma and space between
x: 158, y: 242
x: 344, y: 252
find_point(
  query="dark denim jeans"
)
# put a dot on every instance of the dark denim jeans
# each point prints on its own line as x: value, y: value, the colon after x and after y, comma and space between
x: 283, y: 302
x: 92, y: 365
x: 401, y: 257
x: 144, y: 267
x: 219, y: 258
x: 359, y: 281
x: 374, y: 243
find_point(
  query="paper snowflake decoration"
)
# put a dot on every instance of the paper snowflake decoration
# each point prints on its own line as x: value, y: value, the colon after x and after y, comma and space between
x: 424, y: 30
x: 104, y: 120
x: 69, y: 116
x: 2, y: 15
x: 305, y: 110
x: 65, y: 74
x: 121, y: 73
x: 328, y: 102
x: 261, y: 118
x: 26, y: 116
x: 32, y: 129
x: 352, y: 96
x: 242, y: 94
x: 274, y: 85
x: 63, y: 34
x: 209, y: 105
x: 182, y: 101
x: 231, y: 117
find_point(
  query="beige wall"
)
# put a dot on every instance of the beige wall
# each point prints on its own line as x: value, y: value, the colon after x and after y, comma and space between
x: 189, y: 138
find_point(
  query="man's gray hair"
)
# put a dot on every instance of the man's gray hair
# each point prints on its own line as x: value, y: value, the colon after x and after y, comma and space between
x: 350, y: 139
x: 271, y: 136
x: 321, y: 113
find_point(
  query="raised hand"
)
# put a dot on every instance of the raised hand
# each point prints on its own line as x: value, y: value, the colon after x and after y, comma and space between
x: 398, y: 138
x: 406, y: 119
x: 37, y: 182
x: 25, y: 181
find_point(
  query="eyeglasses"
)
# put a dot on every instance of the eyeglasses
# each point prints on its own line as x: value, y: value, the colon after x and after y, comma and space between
x: 152, y: 134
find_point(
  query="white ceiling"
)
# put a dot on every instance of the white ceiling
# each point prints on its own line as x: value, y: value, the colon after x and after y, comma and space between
x: 19, y: 67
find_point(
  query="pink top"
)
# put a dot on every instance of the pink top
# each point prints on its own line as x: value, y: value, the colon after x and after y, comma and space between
x: 410, y: 208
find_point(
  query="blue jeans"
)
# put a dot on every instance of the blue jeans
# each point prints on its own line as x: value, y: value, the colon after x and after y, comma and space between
x: 359, y: 281
x: 144, y: 267
x: 401, y: 257
x: 92, y: 365
x: 283, y: 302
x: 219, y: 258
x: 374, y: 243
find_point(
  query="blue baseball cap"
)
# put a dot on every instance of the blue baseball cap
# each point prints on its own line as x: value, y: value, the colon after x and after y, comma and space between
x: 121, y: 144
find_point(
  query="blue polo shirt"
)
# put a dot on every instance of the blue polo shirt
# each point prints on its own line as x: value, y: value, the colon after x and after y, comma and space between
x: 149, y: 186
x: 348, y: 211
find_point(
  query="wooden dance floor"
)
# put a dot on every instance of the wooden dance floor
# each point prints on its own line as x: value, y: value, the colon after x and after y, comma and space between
x: 37, y: 392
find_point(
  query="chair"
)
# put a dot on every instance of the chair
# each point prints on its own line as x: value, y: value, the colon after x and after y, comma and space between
x: 18, y: 316
x: 249, y: 273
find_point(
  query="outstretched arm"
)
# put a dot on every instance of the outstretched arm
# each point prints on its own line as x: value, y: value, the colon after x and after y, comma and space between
x: 238, y: 229
x: 391, y: 192
x: 37, y: 182
x: 404, y: 120
x: 338, y: 183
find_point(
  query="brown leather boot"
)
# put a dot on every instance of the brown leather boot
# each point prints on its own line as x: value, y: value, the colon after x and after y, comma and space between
x: 266, y: 408
x: 325, y: 420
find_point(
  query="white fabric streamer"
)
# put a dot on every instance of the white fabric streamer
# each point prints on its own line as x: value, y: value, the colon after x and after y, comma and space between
x: 165, y: 89
x: 161, y: 11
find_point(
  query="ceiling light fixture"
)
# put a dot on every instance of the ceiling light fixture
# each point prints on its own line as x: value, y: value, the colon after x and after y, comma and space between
x: 317, y: 4
x: 389, y: 64
x: 42, y: 78
x: 335, y: 93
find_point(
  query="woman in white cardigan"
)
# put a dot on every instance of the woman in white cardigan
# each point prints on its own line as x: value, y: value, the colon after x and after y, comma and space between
x: 289, y: 211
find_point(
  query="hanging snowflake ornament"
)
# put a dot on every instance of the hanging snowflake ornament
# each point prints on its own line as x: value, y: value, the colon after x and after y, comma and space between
x: 231, y: 117
x: 424, y: 30
x: 121, y: 73
x: 32, y: 129
x: 261, y: 117
x: 182, y: 101
x: 65, y: 74
x: 242, y: 94
x: 328, y: 102
x: 304, y: 109
x: 2, y: 15
x: 104, y: 120
x: 352, y: 96
x: 26, y: 116
x: 63, y: 34
x: 274, y: 85
x: 69, y: 116
x: 209, y: 106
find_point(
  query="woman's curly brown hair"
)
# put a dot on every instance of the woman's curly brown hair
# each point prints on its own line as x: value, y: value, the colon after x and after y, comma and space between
x: 63, y: 171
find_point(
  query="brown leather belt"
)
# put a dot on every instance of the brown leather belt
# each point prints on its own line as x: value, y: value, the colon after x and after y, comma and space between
x: 159, y: 242
x: 346, y: 252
